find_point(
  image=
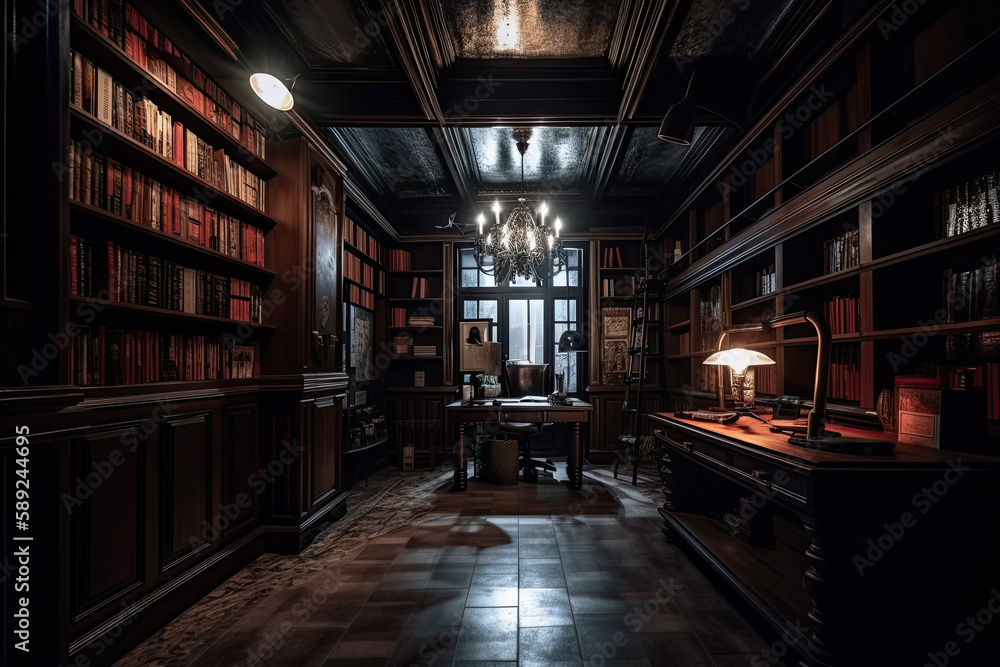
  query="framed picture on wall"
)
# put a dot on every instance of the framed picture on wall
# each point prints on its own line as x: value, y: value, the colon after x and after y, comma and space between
x: 472, y: 336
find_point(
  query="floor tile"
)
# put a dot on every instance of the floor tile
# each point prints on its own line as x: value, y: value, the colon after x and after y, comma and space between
x: 597, y: 603
x: 425, y: 646
x: 539, y: 607
x: 548, y: 647
x: 541, y: 573
x: 488, y: 634
x: 607, y: 637
x: 492, y: 597
x: 436, y: 607
x: 667, y: 649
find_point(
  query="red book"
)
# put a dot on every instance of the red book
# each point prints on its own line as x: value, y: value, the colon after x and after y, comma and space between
x: 203, y: 210
x: 178, y: 145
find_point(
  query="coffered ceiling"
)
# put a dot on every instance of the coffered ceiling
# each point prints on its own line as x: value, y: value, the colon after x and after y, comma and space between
x: 418, y: 97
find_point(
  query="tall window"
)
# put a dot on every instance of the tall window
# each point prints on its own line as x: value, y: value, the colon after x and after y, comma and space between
x: 527, y: 318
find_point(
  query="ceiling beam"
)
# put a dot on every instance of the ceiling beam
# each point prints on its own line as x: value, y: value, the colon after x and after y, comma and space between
x: 660, y: 22
x: 407, y: 27
x: 459, y: 160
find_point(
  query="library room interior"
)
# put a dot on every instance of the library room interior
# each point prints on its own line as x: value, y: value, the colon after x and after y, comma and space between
x: 500, y: 333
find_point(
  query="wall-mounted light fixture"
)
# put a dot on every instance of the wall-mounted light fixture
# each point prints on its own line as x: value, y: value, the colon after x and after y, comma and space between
x: 273, y: 90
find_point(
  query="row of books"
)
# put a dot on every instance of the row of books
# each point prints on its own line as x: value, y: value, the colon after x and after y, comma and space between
x: 361, y: 272
x: 95, y: 92
x: 137, y: 278
x: 425, y: 350
x: 844, y: 382
x: 100, y: 181
x: 842, y: 252
x: 149, y: 49
x: 683, y: 343
x: 418, y: 427
x: 104, y: 16
x: 842, y: 315
x: 759, y: 283
x: 971, y: 205
x: 972, y: 346
x: 358, y: 237
x: 100, y: 356
x: 611, y: 258
x: 420, y: 321
x: 986, y: 375
x: 399, y: 260
x: 420, y: 289
x: 620, y: 286
x: 361, y: 297
x: 972, y: 295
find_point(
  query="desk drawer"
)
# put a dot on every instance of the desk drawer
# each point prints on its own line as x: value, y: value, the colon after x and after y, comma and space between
x: 522, y: 417
x: 781, y: 477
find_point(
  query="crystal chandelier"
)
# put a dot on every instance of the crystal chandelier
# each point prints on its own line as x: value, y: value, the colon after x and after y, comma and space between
x: 523, y: 245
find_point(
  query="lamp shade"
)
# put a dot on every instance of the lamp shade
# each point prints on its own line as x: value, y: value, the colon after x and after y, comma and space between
x: 272, y: 90
x: 572, y: 341
x: 738, y: 359
x: 678, y: 125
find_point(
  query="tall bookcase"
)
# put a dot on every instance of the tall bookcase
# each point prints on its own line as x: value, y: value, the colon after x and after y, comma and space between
x: 887, y: 227
x: 165, y: 179
x: 420, y: 302
x: 617, y: 262
x: 143, y: 285
x: 366, y: 439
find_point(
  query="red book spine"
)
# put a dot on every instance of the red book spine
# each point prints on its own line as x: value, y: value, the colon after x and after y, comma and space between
x: 74, y: 274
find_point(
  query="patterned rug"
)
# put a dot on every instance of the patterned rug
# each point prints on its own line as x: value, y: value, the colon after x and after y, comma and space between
x: 368, y: 516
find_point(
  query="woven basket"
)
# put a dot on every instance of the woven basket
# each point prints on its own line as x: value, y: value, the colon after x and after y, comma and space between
x: 500, y: 461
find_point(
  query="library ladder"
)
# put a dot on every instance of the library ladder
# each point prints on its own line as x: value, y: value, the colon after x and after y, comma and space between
x: 648, y: 290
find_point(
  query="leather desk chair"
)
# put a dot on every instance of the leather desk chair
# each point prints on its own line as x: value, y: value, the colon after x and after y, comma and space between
x: 527, y: 379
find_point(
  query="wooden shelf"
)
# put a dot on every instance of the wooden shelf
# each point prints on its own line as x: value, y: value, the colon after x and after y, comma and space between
x: 618, y: 269
x: 679, y: 325
x: 417, y: 272
x: 411, y: 357
x: 415, y: 299
x: 362, y: 254
x: 754, y: 301
x: 146, y: 162
x: 165, y: 313
x: 91, y: 217
x: 362, y: 286
x: 417, y: 328
x: 112, y: 58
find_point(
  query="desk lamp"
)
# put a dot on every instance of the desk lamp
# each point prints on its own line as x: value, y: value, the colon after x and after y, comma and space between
x: 739, y: 362
x: 816, y: 422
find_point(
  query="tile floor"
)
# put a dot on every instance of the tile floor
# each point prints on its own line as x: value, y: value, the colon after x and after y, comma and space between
x: 529, y: 576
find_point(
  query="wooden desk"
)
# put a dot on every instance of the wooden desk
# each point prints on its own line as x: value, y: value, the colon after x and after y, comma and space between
x: 512, y: 410
x: 866, y: 560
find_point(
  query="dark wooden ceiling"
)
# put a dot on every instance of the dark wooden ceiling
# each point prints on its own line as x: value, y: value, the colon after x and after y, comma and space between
x: 418, y: 97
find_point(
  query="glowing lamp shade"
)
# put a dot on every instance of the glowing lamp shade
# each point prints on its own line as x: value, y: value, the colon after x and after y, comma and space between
x: 272, y: 90
x: 738, y: 359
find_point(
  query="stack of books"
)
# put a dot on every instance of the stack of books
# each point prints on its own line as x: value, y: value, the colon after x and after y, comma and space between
x: 424, y: 351
x: 402, y: 345
x: 842, y: 252
x: 421, y: 321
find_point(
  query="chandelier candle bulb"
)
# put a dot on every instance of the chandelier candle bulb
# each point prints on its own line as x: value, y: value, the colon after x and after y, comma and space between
x: 558, y: 226
x: 481, y: 220
x: 542, y: 210
x: 496, y: 210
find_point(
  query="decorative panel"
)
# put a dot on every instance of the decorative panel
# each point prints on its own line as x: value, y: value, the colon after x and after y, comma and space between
x: 186, y: 488
x: 105, y: 501
x: 242, y: 485
x: 326, y: 447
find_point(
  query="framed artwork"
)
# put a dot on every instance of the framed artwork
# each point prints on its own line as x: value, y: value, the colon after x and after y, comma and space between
x: 473, y: 357
x: 325, y: 220
x: 614, y: 344
x: 362, y: 350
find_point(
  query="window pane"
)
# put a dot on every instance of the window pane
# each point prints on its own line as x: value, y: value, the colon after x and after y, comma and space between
x: 470, y: 310
x: 560, y: 310
x: 537, y: 330
x: 467, y: 259
x: 488, y: 309
x: 517, y: 330
x: 470, y: 277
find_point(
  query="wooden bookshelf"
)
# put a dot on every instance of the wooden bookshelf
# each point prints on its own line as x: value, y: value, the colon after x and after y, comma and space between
x: 876, y: 262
